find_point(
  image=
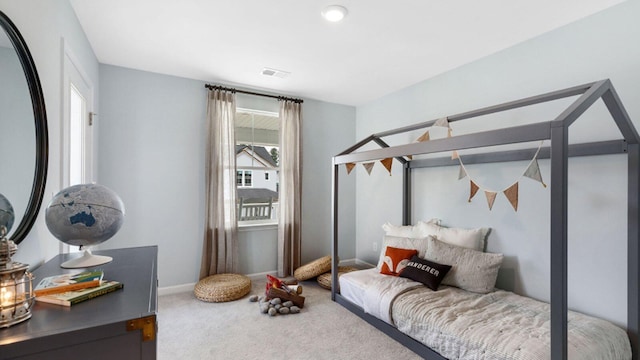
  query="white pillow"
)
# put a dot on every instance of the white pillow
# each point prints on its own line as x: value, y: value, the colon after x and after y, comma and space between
x: 402, y: 243
x: 467, y: 238
x: 471, y: 270
x: 420, y: 230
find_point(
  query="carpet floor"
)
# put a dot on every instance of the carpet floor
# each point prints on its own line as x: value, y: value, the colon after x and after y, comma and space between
x: 192, y: 329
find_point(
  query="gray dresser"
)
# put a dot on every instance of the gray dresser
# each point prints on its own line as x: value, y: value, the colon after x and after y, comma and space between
x: 120, y: 325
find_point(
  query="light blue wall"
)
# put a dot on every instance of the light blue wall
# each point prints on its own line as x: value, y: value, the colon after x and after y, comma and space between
x: 152, y: 139
x: 604, y: 45
x: 45, y: 24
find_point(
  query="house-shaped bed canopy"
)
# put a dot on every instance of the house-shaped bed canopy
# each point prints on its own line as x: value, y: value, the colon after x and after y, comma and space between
x: 559, y: 150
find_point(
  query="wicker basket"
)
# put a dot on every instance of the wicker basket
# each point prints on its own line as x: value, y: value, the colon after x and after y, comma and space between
x: 313, y: 269
x: 222, y: 287
x: 324, y: 280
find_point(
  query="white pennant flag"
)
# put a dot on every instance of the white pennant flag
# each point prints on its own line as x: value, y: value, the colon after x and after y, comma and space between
x: 368, y: 167
x: 443, y: 122
x: 462, y: 174
x: 533, y: 172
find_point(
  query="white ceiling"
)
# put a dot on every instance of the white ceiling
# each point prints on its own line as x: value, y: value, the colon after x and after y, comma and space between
x: 380, y: 47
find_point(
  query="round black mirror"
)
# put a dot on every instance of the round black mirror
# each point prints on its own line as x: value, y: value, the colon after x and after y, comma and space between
x: 23, y: 118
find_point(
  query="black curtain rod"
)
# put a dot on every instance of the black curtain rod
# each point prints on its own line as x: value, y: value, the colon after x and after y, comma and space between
x: 218, y: 87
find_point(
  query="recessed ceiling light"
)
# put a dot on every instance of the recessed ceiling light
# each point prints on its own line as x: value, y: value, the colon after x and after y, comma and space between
x: 334, y: 13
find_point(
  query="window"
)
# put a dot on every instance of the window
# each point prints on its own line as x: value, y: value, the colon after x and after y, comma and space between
x: 257, y: 149
x: 243, y: 178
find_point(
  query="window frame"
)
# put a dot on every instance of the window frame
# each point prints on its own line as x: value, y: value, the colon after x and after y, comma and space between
x: 273, y: 221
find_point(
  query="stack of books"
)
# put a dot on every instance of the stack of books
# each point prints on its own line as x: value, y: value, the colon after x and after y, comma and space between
x: 69, y: 289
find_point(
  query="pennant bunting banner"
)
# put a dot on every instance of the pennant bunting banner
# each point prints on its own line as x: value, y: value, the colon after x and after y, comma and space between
x: 491, y: 197
x: 410, y: 157
x: 424, y: 137
x: 349, y: 167
x: 462, y: 174
x: 512, y: 195
x: 443, y: 122
x: 473, y: 190
x: 387, y: 164
x: 533, y: 172
x: 449, y: 133
x: 368, y: 167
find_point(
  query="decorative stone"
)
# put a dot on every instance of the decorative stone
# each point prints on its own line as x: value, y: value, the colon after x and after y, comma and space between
x: 253, y: 298
x: 294, y: 309
x: 261, y: 299
x: 284, y: 310
x: 273, y: 312
x: 276, y: 301
x: 277, y: 306
x: 287, y: 304
x: 264, y: 308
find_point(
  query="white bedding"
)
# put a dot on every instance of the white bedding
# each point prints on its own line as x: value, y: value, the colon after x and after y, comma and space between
x: 462, y: 325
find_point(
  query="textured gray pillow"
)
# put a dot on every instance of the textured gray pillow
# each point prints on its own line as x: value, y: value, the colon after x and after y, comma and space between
x: 471, y: 270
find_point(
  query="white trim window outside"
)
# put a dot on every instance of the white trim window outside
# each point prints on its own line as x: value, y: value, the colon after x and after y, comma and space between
x: 243, y: 178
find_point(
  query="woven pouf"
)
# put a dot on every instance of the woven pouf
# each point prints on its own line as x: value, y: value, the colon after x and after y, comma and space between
x: 313, y: 269
x: 222, y: 287
x: 324, y: 280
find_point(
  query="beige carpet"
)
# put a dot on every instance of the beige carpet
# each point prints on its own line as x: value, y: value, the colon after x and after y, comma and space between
x: 191, y: 329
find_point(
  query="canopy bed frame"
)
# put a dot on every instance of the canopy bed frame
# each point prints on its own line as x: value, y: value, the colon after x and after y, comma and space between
x: 559, y: 151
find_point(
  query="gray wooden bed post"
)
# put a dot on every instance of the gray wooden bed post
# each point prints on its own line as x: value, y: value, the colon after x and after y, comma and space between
x: 406, y: 194
x: 334, y: 223
x: 622, y: 119
x: 633, y: 249
x: 559, y: 148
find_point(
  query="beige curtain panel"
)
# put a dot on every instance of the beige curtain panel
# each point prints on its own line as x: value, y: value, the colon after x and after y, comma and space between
x: 290, y: 188
x: 220, y: 247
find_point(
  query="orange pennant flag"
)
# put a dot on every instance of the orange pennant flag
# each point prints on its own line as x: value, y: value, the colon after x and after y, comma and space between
x: 349, y: 167
x: 368, y: 167
x: 410, y: 157
x: 473, y: 190
x: 512, y: 195
x: 424, y: 137
x: 491, y: 197
x: 387, y: 164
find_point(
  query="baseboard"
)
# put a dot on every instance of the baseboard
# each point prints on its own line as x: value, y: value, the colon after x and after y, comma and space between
x: 176, y: 289
x: 363, y: 264
x: 262, y: 275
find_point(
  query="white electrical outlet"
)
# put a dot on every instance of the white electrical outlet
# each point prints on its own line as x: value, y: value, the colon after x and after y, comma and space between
x: 375, y: 246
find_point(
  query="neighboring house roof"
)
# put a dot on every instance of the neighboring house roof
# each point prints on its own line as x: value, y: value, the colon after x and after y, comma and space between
x: 251, y: 194
x: 260, y: 151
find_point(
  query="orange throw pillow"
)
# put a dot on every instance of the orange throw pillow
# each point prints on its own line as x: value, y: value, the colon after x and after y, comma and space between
x: 395, y: 259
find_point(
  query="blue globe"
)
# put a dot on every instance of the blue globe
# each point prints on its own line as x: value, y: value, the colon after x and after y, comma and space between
x: 85, y: 214
x: 7, y: 215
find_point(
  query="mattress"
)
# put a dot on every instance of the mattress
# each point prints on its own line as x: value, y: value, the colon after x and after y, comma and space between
x: 499, y: 325
x: 353, y: 285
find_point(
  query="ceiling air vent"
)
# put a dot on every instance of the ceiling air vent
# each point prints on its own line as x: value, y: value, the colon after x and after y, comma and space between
x: 275, y: 73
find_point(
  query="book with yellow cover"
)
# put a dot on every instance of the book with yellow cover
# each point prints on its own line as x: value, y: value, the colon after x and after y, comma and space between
x: 68, y: 282
x: 73, y: 297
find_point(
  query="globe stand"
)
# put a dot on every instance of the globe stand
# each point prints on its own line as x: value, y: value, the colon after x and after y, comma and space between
x: 86, y: 260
